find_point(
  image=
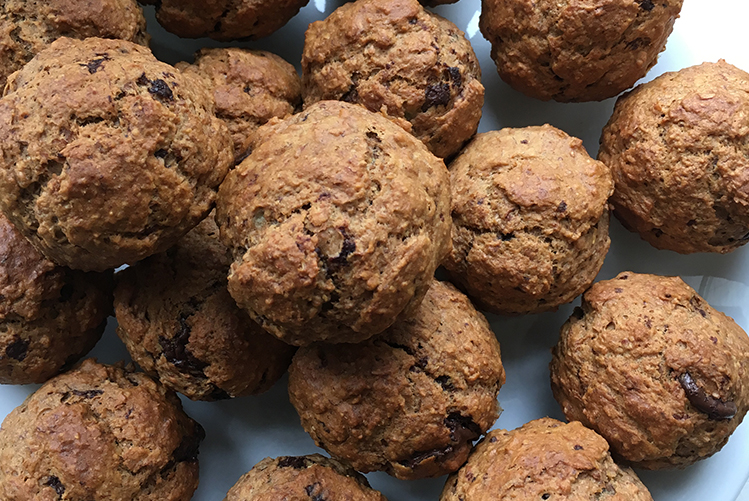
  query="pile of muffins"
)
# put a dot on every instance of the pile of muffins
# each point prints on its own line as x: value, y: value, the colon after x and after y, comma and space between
x: 239, y: 221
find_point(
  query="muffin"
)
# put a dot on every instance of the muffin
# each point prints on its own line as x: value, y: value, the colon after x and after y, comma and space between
x: 108, y: 155
x: 249, y: 88
x: 50, y: 316
x: 336, y: 221
x: 300, y: 479
x: 544, y: 459
x: 179, y: 323
x: 576, y: 51
x: 530, y: 219
x: 410, y: 401
x: 224, y: 20
x: 677, y: 149
x: 99, y: 432
x: 28, y: 27
x: 395, y: 57
x: 649, y: 365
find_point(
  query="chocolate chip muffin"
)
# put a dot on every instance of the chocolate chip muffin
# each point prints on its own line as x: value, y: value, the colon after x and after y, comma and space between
x: 677, y: 149
x: 544, y: 459
x: 648, y: 364
x: 337, y: 222
x: 249, y: 88
x: 300, y: 479
x: 410, y: 401
x: 108, y: 155
x: 99, y: 432
x: 179, y: 323
x: 395, y: 57
x: 224, y: 20
x: 28, y: 27
x: 50, y: 316
x: 576, y: 51
x: 530, y: 219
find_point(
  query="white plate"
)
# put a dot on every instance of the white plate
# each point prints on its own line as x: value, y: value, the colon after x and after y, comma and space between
x: 240, y: 433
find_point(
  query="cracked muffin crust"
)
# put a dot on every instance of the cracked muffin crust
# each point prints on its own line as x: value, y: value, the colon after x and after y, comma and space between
x: 249, y: 88
x: 573, y: 50
x: 410, y: 401
x: 29, y: 26
x: 302, y: 478
x: 224, y: 20
x: 108, y: 155
x: 544, y: 459
x: 336, y: 221
x: 678, y: 151
x: 395, y: 57
x: 178, y: 321
x: 654, y: 369
x: 99, y: 432
x: 530, y: 219
x: 50, y: 316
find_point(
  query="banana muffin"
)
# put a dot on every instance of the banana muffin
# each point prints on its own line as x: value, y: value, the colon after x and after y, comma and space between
x: 544, y: 459
x: 678, y: 152
x: 576, y: 51
x: 395, y: 57
x: 27, y: 27
x: 50, y: 316
x: 99, y: 432
x: 336, y: 221
x: 224, y: 20
x: 108, y: 155
x: 530, y: 219
x: 410, y: 401
x: 249, y: 88
x: 179, y: 323
x: 654, y: 369
x: 302, y: 478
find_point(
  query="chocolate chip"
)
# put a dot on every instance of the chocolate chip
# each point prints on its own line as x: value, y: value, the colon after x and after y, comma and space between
x: 462, y: 428
x: 176, y: 352
x: 455, y: 76
x: 646, y: 4
x: 707, y: 404
x: 17, y: 349
x: 94, y: 65
x: 314, y: 491
x: 295, y: 462
x: 420, y: 457
x: 697, y: 305
x: 436, y: 95
x: 347, y: 248
x: 54, y: 482
x: 546, y: 495
x: 562, y: 206
x: 578, y: 447
x: 162, y: 153
x: 87, y: 393
x: 160, y: 89
x: 188, y: 449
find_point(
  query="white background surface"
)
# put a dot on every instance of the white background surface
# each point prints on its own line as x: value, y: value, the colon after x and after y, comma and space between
x: 242, y: 432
